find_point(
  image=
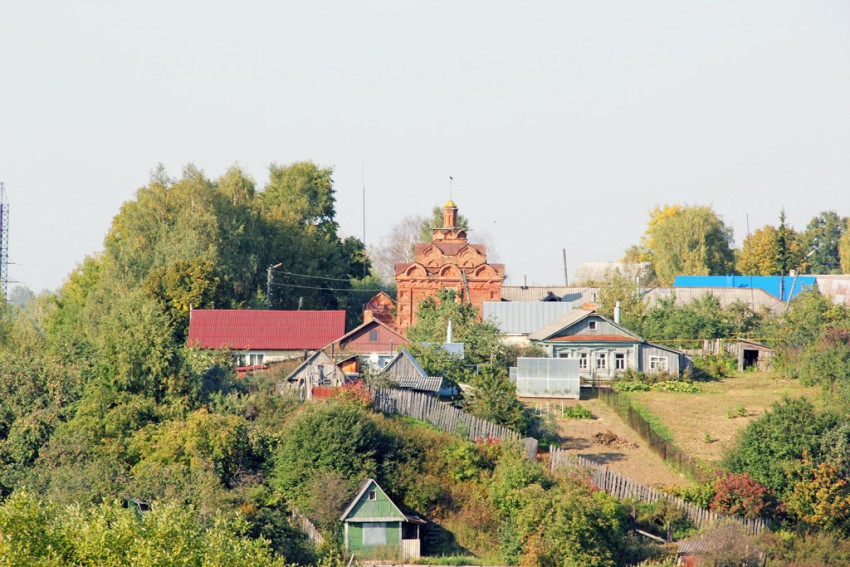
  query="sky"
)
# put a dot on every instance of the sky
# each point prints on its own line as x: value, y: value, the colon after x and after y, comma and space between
x: 562, y: 123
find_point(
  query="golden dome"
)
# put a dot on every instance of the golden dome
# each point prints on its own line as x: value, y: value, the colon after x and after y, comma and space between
x: 450, y: 204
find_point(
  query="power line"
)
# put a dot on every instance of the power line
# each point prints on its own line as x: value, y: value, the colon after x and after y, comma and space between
x: 312, y: 277
x: 349, y: 289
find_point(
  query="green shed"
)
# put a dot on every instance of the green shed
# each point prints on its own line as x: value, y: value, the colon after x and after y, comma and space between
x: 376, y: 527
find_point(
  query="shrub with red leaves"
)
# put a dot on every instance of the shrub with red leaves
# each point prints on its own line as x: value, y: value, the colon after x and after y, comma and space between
x: 357, y: 393
x: 740, y: 495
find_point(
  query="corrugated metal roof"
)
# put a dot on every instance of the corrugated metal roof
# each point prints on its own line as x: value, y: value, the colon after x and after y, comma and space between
x: 264, y: 330
x: 836, y: 288
x: 577, y: 294
x: 524, y: 317
x: 568, y: 319
x: 755, y: 298
x: 779, y: 287
x: 598, y: 272
x: 596, y: 339
x: 420, y: 383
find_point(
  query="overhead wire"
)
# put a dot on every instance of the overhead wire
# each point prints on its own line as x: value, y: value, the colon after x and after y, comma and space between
x: 274, y: 270
x: 349, y: 289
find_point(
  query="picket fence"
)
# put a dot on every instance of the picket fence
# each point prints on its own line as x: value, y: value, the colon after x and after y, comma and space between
x: 307, y: 527
x: 622, y: 487
x: 428, y: 408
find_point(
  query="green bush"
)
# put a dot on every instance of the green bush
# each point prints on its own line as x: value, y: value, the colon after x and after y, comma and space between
x: 631, y: 387
x: 654, y: 517
x: 36, y: 533
x: 716, y: 365
x: 333, y: 436
x: 700, y: 494
x: 577, y: 412
x: 678, y: 387
x: 773, y: 445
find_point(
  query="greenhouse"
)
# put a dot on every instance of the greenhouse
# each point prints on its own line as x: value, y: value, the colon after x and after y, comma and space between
x: 547, y: 378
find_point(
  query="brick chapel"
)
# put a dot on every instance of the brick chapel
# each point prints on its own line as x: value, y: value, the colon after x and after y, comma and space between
x: 448, y: 262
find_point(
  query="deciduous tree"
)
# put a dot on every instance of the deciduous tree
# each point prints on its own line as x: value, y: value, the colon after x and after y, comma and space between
x: 426, y: 233
x: 821, y: 242
x: 688, y: 240
x: 844, y: 249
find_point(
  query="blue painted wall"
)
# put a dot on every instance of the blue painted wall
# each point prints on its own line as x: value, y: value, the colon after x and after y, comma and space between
x: 770, y: 284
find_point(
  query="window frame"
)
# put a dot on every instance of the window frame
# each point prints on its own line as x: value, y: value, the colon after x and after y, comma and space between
x: 602, y: 361
x: 374, y: 533
x: 658, y: 363
x: 619, y: 361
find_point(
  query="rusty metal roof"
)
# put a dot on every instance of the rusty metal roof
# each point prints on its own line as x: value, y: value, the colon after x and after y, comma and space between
x: 835, y: 288
x: 242, y: 329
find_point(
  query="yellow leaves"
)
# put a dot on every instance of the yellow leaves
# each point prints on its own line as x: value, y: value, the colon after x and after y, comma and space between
x: 821, y: 497
x: 657, y: 217
x: 688, y: 240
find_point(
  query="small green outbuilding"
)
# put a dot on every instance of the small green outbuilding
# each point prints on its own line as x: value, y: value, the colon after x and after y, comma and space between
x: 376, y: 527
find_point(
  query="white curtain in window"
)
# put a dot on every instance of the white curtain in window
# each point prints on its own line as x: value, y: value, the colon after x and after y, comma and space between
x: 374, y: 533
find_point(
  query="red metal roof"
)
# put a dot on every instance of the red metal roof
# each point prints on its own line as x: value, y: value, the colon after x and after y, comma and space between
x: 242, y: 329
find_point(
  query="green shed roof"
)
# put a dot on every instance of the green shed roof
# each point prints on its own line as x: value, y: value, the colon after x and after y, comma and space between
x: 382, y: 509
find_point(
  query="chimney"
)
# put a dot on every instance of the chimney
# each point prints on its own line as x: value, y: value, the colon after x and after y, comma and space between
x: 368, y: 315
x: 617, y: 313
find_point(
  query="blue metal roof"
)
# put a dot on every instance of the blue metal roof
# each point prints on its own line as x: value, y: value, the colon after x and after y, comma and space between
x: 777, y: 286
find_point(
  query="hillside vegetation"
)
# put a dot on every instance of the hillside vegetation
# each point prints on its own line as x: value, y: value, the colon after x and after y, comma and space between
x: 103, y: 405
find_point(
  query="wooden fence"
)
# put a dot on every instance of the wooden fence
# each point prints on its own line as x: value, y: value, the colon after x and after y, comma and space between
x: 661, y: 446
x: 307, y: 527
x: 428, y: 408
x: 622, y: 487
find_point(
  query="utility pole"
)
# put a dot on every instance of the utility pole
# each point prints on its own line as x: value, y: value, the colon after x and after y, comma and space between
x: 566, y: 277
x: 363, y: 179
x: 4, y: 242
x: 269, y: 284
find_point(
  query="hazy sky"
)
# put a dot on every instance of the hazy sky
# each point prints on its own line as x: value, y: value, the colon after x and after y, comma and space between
x: 562, y: 123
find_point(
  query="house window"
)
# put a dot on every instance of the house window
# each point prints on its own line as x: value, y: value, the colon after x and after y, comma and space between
x: 564, y: 354
x: 373, y: 495
x: 374, y: 533
x: 373, y: 336
x: 619, y: 361
x: 601, y: 361
x: 658, y: 363
x: 591, y: 325
x: 248, y: 359
x: 582, y: 361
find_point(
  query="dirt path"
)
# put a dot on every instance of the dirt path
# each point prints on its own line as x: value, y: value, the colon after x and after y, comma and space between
x: 625, y: 453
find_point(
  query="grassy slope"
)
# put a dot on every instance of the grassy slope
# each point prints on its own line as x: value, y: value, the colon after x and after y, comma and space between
x: 689, y: 417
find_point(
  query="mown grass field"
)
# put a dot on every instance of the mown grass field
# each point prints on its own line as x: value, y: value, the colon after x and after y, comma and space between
x: 700, y: 424
x: 689, y: 419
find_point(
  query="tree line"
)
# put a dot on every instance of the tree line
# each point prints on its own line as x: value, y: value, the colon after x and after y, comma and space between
x: 694, y: 240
